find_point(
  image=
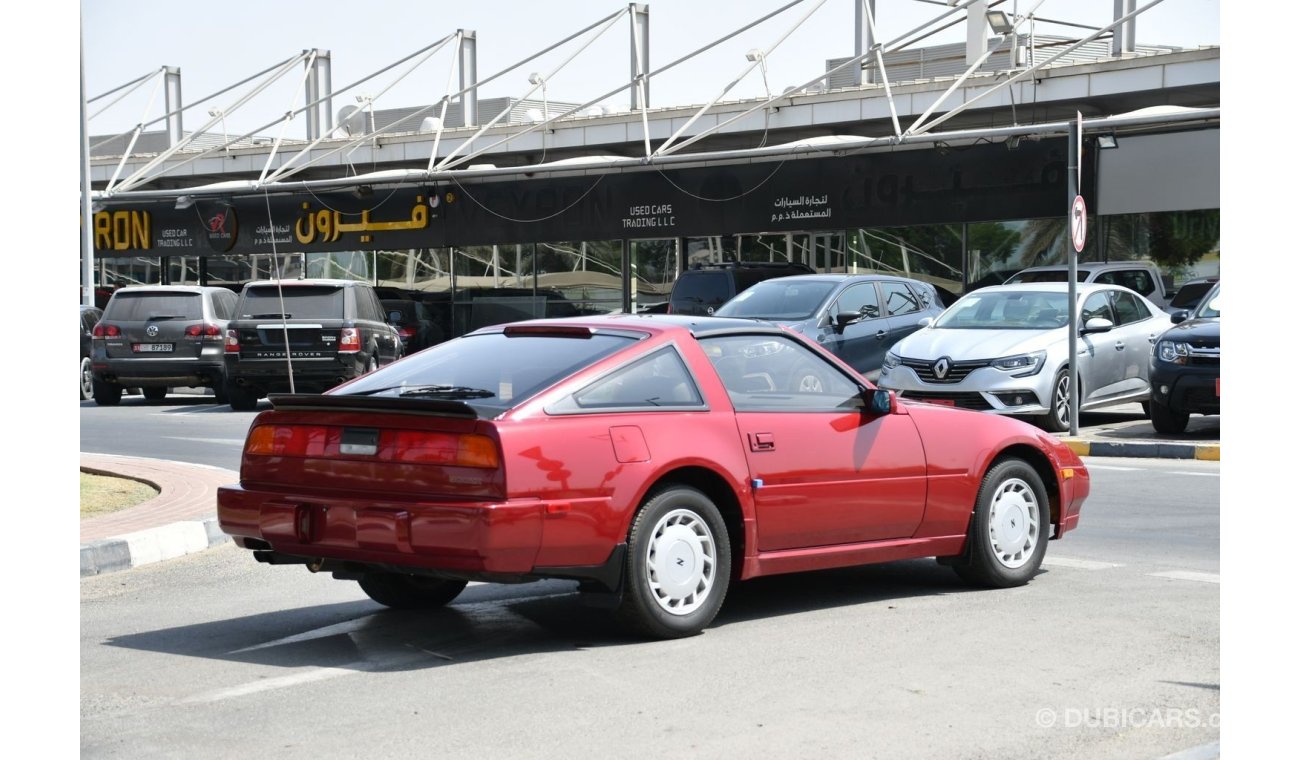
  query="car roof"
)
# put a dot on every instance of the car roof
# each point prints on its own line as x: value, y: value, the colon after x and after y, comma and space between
x: 1089, y: 265
x: 653, y: 324
x: 322, y: 281
x: 836, y: 277
x: 166, y: 289
x: 1050, y: 287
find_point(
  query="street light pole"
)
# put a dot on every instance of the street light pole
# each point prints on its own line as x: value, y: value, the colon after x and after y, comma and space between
x: 87, y: 243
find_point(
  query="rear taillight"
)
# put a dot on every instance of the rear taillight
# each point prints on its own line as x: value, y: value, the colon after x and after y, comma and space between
x: 410, y: 446
x: 232, y: 341
x: 206, y: 330
x: 107, y: 331
x: 349, y: 340
x: 406, y: 332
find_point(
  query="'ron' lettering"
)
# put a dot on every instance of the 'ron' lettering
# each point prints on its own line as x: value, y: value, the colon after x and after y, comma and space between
x: 122, y: 231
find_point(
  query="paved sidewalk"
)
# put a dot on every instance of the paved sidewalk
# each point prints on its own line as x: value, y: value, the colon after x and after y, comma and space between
x: 182, y: 518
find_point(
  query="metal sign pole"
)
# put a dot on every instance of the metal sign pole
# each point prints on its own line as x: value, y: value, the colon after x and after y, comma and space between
x: 87, y: 221
x: 1073, y: 188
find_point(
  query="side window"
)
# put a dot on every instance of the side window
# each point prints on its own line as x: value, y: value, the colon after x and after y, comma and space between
x: 367, y: 308
x: 899, y: 299
x: 858, y: 299
x: 658, y: 380
x: 775, y: 373
x: 1097, y: 305
x: 1133, y: 279
x: 222, y: 307
x: 1128, y: 308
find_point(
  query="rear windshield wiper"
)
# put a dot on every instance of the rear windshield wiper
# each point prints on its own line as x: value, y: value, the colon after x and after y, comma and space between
x: 269, y: 316
x: 152, y: 317
x: 431, y: 391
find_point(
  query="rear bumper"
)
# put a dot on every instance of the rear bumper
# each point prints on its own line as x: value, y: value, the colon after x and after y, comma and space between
x: 151, y: 371
x: 272, y: 375
x: 467, y: 537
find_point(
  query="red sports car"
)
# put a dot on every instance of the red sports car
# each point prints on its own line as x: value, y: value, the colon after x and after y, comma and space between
x: 656, y: 459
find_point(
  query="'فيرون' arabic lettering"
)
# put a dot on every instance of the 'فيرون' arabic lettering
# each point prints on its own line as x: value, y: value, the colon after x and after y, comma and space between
x: 326, y: 226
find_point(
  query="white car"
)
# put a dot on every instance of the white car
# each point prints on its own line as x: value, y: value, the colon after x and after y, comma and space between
x: 1005, y: 349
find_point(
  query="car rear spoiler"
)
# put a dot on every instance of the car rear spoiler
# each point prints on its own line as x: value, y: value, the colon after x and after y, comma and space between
x: 389, y: 404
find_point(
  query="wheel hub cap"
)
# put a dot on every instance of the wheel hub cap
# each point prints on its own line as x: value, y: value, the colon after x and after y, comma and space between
x: 1013, y: 523
x: 680, y: 562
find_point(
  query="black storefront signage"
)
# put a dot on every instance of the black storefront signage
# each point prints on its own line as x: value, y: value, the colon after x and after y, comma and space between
x: 902, y: 188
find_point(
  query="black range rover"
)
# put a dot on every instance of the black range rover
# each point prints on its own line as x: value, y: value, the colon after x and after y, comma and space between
x: 1185, y: 367
x: 329, y: 331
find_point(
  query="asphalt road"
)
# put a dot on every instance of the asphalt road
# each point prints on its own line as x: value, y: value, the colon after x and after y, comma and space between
x: 1111, y: 652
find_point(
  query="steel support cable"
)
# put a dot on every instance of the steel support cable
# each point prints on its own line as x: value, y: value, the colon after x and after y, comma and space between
x: 446, y: 101
x: 137, y: 82
x: 135, y: 135
x: 141, y: 175
x: 428, y: 52
x: 880, y: 64
x: 1036, y: 67
x: 426, y: 109
x: 971, y: 69
x: 640, y: 84
x: 312, y: 104
x: 448, y: 162
x: 666, y: 147
x: 162, y: 72
x: 288, y: 116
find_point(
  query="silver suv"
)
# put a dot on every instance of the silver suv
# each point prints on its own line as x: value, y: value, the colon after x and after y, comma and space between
x: 157, y: 337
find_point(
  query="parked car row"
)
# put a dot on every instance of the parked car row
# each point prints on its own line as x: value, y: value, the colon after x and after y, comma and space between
x: 1000, y: 349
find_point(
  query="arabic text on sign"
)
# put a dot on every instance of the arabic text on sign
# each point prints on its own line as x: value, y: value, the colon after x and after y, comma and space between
x: 327, y: 226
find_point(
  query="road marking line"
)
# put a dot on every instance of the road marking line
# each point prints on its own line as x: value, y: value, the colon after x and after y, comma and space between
x: 1079, y: 564
x: 1112, y: 467
x: 1202, y: 474
x: 1187, y: 575
x: 226, y: 441
x: 284, y: 682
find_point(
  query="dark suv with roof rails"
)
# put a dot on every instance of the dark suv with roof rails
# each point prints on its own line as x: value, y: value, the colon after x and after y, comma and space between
x: 156, y: 337
x: 329, y: 331
x: 701, y: 289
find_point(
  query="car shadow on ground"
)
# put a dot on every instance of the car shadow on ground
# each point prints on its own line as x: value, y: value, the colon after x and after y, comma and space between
x: 493, y: 621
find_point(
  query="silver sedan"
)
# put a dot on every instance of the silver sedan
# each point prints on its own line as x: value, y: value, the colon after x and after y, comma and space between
x: 1005, y: 349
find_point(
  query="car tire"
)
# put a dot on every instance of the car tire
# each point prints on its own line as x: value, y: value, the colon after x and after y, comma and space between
x: 1166, y: 420
x: 219, y: 394
x: 807, y: 380
x: 106, y: 394
x: 678, y: 565
x: 1058, y: 419
x: 1009, y: 527
x: 154, y: 394
x: 410, y: 592
x: 87, y: 379
x: 241, y: 399
x: 371, y: 365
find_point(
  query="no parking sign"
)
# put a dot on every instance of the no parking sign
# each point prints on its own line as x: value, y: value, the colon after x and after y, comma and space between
x: 1078, y: 223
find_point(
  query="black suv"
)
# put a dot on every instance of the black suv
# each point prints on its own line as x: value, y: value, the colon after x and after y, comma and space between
x: 701, y: 289
x: 156, y: 337
x: 1185, y: 367
x: 330, y: 331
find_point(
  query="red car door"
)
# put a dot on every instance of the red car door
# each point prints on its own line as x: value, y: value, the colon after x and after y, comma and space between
x: 823, y: 472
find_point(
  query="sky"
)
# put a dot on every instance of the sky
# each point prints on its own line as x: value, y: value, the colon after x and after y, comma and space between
x: 218, y: 45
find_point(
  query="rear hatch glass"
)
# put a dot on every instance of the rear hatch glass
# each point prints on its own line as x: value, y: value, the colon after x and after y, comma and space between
x: 308, y: 320
x: 153, y: 324
x: 490, y: 372
x: 695, y: 292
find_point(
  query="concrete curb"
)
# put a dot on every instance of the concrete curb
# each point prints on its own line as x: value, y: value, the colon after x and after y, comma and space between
x: 147, y: 546
x: 1144, y: 449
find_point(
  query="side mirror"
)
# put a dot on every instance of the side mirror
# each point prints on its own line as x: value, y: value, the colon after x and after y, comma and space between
x: 881, y: 402
x: 845, y: 318
x: 925, y: 322
x: 394, y: 317
x: 1179, y: 316
x: 1097, y: 325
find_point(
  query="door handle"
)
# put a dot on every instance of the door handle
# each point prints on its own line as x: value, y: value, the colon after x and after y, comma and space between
x: 880, y: 334
x: 762, y: 442
x: 1119, y: 345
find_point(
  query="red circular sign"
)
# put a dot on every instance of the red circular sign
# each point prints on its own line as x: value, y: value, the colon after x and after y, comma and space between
x: 1078, y: 223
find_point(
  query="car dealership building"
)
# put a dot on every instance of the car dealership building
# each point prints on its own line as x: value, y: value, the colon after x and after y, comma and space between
x: 946, y: 163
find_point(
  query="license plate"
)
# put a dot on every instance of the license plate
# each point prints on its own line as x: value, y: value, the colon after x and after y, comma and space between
x: 941, y: 401
x: 152, y: 348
